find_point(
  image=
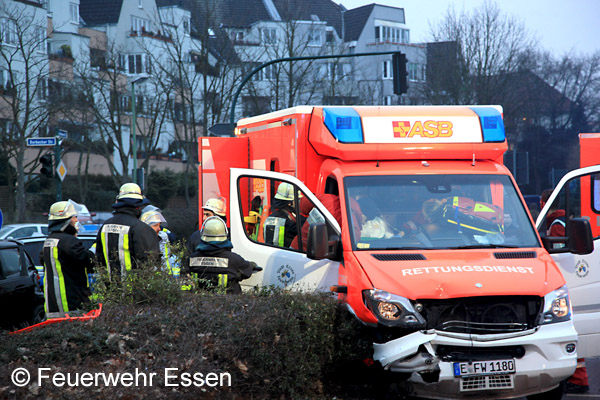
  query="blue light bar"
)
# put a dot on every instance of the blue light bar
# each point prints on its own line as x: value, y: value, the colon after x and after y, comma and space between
x: 344, y: 124
x: 492, y: 124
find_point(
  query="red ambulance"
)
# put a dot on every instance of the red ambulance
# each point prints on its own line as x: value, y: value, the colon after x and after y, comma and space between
x: 424, y: 237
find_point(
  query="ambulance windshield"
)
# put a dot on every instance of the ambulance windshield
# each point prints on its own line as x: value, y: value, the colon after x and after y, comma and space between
x: 436, y: 212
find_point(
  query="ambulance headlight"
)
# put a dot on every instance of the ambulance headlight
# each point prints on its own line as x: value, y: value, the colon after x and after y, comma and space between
x: 393, y: 310
x: 557, y: 307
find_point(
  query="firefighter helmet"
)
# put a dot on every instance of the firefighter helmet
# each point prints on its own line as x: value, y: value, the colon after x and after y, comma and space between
x: 285, y: 191
x: 216, y: 205
x: 213, y: 230
x: 130, y: 191
x: 152, y: 217
x: 61, y: 210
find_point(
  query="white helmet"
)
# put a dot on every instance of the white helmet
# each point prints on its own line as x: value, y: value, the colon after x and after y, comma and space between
x: 213, y: 230
x: 216, y: 205
x: 152, y: 218
x: 130, y: 191
x: 61, y: 210
x: 285, y: 191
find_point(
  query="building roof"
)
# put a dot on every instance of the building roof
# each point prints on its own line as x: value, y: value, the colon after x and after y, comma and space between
x: 355, y: 21
x: 304, y: 10
x: 94, y: 12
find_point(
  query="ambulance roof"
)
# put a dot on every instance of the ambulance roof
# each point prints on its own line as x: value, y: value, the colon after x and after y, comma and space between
x: 399, y: 132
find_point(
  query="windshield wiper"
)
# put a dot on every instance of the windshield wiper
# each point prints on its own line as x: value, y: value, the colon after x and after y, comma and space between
x: 487, y: 246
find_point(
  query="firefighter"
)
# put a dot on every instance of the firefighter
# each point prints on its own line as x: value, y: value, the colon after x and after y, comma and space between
x: 66, y: 262
x: 155, y: 219
x: 213, y: 264
x: 280, y: 227
x: 215, y: 206
x: 124, y: 242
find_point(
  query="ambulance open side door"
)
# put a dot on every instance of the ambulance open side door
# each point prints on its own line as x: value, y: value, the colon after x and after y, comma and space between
x: 578, y: 193
x: 284, y: 265
x: 213, y: 171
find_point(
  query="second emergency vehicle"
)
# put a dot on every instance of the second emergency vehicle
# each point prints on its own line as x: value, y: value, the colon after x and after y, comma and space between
x: 425, y: 238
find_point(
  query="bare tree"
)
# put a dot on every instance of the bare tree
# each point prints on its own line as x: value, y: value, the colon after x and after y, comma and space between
x: 484, y: 49
x: 24, y: 68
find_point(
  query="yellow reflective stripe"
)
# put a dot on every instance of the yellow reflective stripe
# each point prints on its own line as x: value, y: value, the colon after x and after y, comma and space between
x: 471, y: 227
x: 126, y: 252
x: 281, y: 235
x: 223, y: 280
x: 104, y: 237
x: 59, y: 282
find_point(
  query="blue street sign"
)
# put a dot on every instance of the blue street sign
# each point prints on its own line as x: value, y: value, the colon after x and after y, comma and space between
x: 41, y: 141
x: 62, y: 133
x: 0, y: 218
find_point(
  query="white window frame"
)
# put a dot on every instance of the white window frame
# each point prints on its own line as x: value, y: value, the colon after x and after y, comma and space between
x: 9, y: 33
x: 186, y: 26
x: 315, y: 37
x: 387, y: 100
x: 144, y: 60
x: 268, y: 36
x: 137, y: 23
x: 74, y: 13
x: 386, y: 69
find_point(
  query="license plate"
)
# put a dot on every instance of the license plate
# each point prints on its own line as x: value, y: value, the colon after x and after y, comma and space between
x: 491, y: 367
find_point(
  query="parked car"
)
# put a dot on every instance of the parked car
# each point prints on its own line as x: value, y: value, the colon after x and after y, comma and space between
x: 21, y: 298
x: 100, y: 217
x: 34, y: 245
x: 15, y: 231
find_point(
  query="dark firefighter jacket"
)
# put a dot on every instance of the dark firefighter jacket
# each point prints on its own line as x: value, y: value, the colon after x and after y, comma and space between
x: 215, y: 265
x: 67, y: 263
x: 280, y: 227
x: 125, y: 242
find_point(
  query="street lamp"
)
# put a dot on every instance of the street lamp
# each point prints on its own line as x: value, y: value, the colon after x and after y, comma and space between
x: 139, y: 79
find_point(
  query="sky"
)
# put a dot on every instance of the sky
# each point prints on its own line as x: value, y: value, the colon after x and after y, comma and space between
x: 562, y: 26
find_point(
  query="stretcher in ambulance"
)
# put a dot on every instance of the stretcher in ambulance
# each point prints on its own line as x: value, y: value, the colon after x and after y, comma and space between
x: 425, y: 239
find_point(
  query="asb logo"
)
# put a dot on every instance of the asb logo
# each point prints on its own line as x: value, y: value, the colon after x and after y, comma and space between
x: 427, y: 129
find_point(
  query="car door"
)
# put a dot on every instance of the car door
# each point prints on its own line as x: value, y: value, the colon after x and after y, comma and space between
x: 252, y: 202
x: 16, y: 288
x: 578, y: 193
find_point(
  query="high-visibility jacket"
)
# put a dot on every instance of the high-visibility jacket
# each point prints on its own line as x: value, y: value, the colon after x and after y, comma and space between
x: 124, y: 242
x: 165, y: 254
x: 280, y: 228
x: 215, y: 265
x: 67, y: 263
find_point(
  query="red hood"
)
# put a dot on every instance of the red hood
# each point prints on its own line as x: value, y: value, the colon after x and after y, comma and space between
x: 465, y: 273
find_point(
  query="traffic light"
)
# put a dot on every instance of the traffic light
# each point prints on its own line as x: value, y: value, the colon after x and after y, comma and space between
x: 399, y: 73
x: 47, y: 169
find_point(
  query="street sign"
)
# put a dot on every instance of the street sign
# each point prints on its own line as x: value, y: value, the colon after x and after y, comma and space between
x: 62, y: 133
x: 61, y: 170
x: 49, y: 141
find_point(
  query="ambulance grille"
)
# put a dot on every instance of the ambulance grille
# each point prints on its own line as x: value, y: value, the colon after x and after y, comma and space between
x: 399, y: 257
x: 482, y: 315
x: 516, y: 254
x: 486, y: 382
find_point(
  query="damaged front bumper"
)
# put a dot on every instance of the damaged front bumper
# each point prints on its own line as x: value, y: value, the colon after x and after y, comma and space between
x: 547, y: 356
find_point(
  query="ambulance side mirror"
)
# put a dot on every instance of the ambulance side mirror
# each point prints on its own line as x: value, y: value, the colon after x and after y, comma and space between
x: 581, y: 240
x: 321, y: 244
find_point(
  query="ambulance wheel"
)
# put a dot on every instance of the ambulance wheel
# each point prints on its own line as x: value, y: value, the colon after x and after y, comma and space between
x: 554, y: 394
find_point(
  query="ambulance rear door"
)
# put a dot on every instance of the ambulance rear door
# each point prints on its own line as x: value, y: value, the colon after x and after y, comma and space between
x: 217, y: 156
x: 284, y: 265
x: 578, y: 193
